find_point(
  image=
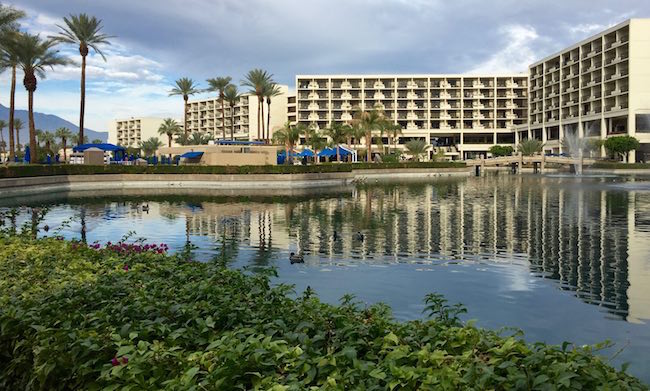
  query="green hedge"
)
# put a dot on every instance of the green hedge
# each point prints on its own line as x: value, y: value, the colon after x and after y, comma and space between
x: 621, y: 166
x: 31, y: 170
x: 73, y: 317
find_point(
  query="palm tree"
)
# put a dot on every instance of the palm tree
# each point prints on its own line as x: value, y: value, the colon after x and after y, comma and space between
x: 38, y: 133
x: 232, y: 96
x: 417, y: 148
x: 18, y: 126
x: 64, y: 134
x: 356, y: 132
x: 9, y: 59
x: 34, y: 56
x: 338, y: 133
x: 150, y: 146
x: 530, y: 147
x: 49, y: 140
x: 182, y: 138
x: 271, y: 91
x: 97, y: 141
x: 370, y: 121
x: 3, y: 125
x: 314, y: 139
x: 288, y: 136
x: 393, y: 130
x: 3, y: 146
x: 78, y: 141
x: 257, y: 80
x: 185, y: 87
x: 85, y: 31
x: 219, y: 85
x: 198, y: 138
x: 169, y: 128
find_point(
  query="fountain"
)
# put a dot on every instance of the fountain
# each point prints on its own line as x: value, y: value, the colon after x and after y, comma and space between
x: 576, y: 145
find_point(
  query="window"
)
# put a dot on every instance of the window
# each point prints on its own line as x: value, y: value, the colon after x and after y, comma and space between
x: 643, y: 123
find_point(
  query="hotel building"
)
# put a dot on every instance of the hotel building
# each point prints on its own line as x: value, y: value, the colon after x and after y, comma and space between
x: 130, y: 132
x: 205, y: 116
x: 599, y: 87
x: 461, y: 115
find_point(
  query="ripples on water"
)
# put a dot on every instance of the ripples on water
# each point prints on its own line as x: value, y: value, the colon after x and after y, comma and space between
x: 563, y: 258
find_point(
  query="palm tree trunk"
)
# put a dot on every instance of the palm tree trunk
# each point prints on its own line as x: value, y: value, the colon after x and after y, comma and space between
x: 368, y: 146
x: 258, y: 119
x: 83, y: 99
x: 223, y: 116
x: 169, y: 139
x: 65, y: 146
x: 263, y: 132
x: 286, y: 156
x: 32, y: 127
x: 185, y: 98
x: 338, y: 153
x: 268, y: 121
x: 12, y: 106
x: 232, y: 122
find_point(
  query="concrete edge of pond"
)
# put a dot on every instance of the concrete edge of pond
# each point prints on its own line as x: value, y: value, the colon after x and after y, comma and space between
x: 13, y: 187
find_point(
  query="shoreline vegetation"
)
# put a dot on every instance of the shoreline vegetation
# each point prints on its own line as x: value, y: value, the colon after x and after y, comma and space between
x: 32, y: 170
x: 127, y: 315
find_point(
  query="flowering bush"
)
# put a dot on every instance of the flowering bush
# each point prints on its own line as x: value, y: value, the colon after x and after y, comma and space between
x: 72, y: 318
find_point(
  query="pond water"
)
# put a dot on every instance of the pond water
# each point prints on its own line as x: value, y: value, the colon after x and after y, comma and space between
x: 561, y: 258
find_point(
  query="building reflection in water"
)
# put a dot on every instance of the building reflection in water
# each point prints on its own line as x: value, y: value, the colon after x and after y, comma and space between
x: 592, y: 239
x: 590, y: 236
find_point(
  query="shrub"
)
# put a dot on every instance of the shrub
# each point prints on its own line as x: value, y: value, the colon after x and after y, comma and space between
x: 31, y: 170
x: 74, y: 317
x: 621, y: 145
x: 501, y: 150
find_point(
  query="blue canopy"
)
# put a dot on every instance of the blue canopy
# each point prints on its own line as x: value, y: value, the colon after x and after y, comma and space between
x: 28, y: 155
x: 306, y: 153
x: 291, y: 153
x: 104, y: 147
x: 192, y: 155
x: 332, y: 151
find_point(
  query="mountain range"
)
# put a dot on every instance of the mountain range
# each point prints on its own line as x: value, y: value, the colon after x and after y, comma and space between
x: 46, y: 122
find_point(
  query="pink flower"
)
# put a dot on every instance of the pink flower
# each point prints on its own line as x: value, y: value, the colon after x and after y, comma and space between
x: 125, y: 360
x: 114, y: 362
x: 126, y: 268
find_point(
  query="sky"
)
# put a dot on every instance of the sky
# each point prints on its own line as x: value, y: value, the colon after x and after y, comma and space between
x: 158, y: 41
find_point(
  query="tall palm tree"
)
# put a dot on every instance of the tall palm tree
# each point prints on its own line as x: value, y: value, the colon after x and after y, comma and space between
x: 84, y: 31
x: 48, y: 139
x: 34, y: 56
x: 169, y: 128
x: 18, y: 126
x: 232, y: 96
x: 185, y: 87
x: 3, y: 125
x: 219, y: 85
x: 8, y: 59
x: 338, y: 133
x: 271, y: 91
x: 393, y: 130
x: 78, y: 140
x: 370, y: 121
x: 257, y: 81
x: 287, y: 136
x: 63, y: 134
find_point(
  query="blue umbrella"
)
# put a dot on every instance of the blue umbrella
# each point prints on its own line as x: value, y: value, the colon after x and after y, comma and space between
x: 28, y: 155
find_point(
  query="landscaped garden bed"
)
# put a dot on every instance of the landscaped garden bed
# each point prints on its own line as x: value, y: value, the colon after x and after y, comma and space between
x: 131, y: 316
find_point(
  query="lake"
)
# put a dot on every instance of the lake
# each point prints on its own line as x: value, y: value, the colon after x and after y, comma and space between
x: 562, y: 258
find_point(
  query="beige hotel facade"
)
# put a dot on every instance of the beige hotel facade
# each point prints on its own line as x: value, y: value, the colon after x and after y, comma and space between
x: 596, y: 88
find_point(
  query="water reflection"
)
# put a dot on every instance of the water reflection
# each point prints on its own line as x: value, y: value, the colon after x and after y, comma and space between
x: 590, y: 236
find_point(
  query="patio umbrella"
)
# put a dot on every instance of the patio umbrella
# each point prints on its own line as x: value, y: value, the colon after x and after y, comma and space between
x: 28, y: 155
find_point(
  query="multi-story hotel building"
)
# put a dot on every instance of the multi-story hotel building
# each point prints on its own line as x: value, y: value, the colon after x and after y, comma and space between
x: 292, y: 113
x: 599, y: 87
x: 460, y: 114
x: 130, y: 132
x: 205, y: 116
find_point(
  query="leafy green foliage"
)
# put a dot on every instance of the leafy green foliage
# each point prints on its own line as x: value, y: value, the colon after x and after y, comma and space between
x: 45, y: 170
x: 501, y: 150
x: 621, y: 145
x: 73, y: 317
x: 530, y: 147
x: 417, y: 148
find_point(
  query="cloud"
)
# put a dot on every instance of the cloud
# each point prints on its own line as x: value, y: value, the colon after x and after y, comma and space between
x: 517, y: 53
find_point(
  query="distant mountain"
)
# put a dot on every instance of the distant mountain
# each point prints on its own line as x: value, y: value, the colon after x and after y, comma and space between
x: 46, y: 122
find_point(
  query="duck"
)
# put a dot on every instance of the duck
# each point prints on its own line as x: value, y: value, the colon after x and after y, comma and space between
x: 296, y: 258
x: 359, y: 236
x: 145, y: 208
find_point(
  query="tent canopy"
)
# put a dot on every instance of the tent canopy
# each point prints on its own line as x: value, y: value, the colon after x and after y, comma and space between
x: 306, y: 153
x: 192, y: 155
x: 332, y: 151
x: 104, y: 147
x: 291, y: 153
